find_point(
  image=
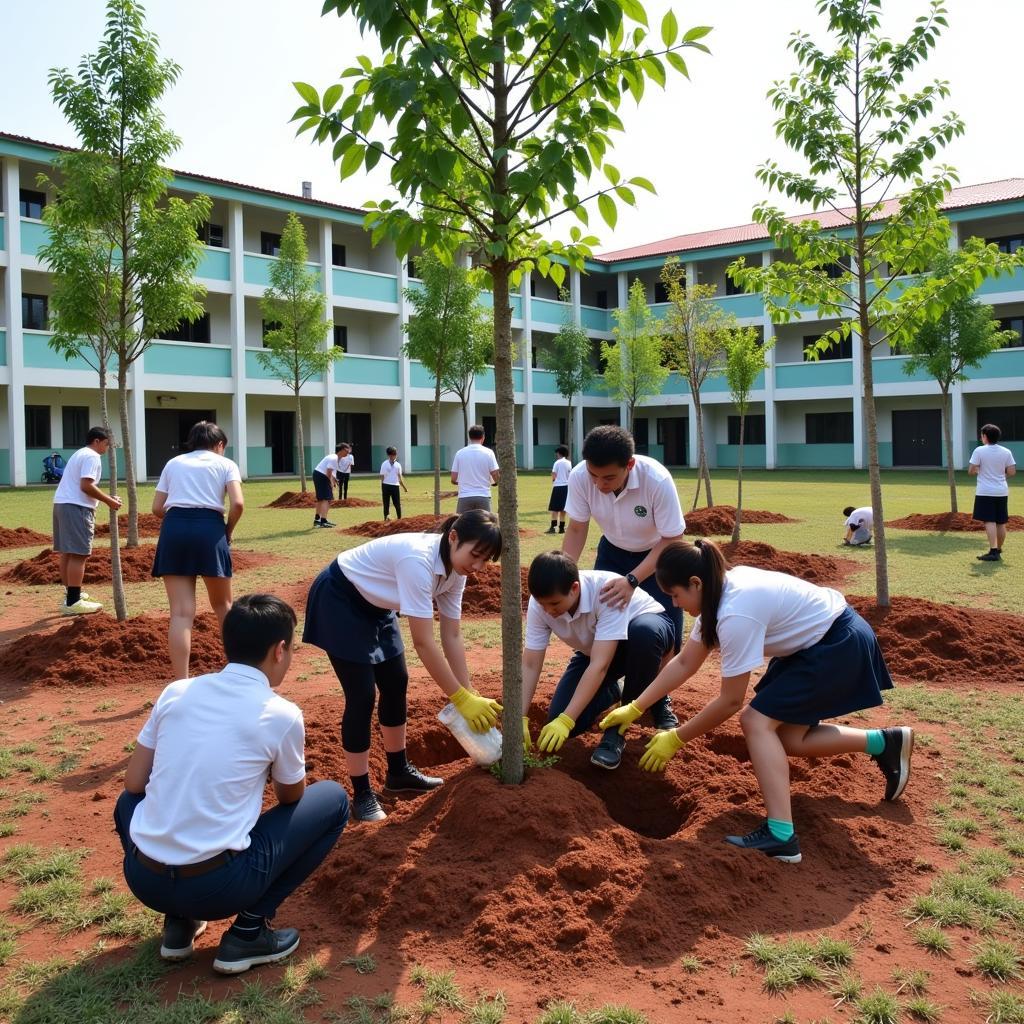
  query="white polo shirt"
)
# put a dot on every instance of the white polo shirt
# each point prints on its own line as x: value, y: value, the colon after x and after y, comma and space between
x: 214, y: 738
x: 404, y: 572
x: 345, y: 463
x: 861, y: 517
x: 327, y: 462
x: 765, y: 614
x: 560, y: 473
x: 391, y: 472
x: 635, y: 519
x: 85, y: 464
x: 592, y: 620
x: 992, y: 461
x: 197, y: 480
x: 474, y: 464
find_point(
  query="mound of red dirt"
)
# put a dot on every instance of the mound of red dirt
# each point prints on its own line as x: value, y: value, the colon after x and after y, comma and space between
x: 149, y: 526
x: 941, y: 644
x: 482, y: 595
x: 97, y: 650
x: 307, y: 499
x: 820, y: 569
x: 947, y: 522
x: 719, y: 520
x: 20, y: 537
x: 427, y: 523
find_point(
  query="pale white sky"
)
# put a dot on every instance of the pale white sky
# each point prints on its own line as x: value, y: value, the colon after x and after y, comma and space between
x: 700, y: 141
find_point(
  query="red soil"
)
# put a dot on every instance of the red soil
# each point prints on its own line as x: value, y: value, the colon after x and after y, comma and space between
x: 483, y: 591
x: 820, y: 569
x: 941, y: 522
x: 719, y: 520
x: 20, y: 537
x: 426, y: 523
x: 307, y: 499
x: 149, y: 526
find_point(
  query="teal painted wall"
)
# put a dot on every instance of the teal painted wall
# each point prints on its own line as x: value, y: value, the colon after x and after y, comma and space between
x: 1007, y: 362
x: 5, y: 467
x: 654, y: 451
x: 197, y: 360
x: 353, y: 369
x: 259, y: 460
x: 3, y: 348
x: 215, y: 265
x: 255, y: 371
x: 548, y: 311
x: 826, y: 456
x: 419, y: 375
x: 33, y: 236
x: 595, y: 319
x: 544, y: 382
x: 742, y: 306
x: 543, y: 456
x: 829, y: 373
x: 256, y: 270
x: 422, y: 460
x: 1006, y: 283
x: 890, y: 371
x: 39, y: 355
x: 359, y: 284
x: 754, y: 456
x: 675, y: 384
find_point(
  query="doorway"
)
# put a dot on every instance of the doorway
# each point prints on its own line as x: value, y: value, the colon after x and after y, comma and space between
x: 674, y: 437
x: 166, y: 433
x: 917, y: 437
x: 279, y: 430
x: 354, y: 427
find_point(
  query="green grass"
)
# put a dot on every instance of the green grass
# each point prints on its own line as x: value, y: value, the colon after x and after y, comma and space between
x: 797, y: 961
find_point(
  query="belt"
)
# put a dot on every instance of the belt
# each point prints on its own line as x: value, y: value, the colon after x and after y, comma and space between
x: 185, y: 870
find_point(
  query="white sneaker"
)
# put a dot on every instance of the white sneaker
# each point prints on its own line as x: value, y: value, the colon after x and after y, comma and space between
x: 83, y: 596
x: 81, y: 607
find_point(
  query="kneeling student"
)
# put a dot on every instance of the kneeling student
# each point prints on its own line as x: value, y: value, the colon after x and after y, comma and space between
x: 609, y: 643
x: 196, y: 846
x: 858, y: 525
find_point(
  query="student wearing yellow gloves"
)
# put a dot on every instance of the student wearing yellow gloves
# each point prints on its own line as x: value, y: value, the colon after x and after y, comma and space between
x: 350, y: 614
x: 825, y: 663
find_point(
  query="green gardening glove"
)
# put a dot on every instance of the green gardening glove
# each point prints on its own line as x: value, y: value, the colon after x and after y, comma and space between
x: 661, y: 748
x: 622, y: 717
x: 555, y: 733
x: 527, y: 739
x: 480, y: 712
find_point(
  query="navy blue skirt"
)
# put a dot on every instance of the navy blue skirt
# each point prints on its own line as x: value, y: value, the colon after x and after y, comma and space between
x: 842, y: 673
x: 192, y: 542
x: 340, y: 621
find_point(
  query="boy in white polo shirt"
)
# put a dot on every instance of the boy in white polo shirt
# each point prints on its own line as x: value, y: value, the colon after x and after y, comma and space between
x: 992, y: 464
x: 633, y: 499
x: 475, y: 472
x: 390, y: 480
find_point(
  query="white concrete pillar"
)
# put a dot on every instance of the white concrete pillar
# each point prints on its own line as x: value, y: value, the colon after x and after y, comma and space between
x: 577, y: 431
x: 622, y: 284
x: 15, y: 341
x: 574, y: 296
x: 405, y: 402
x: 693, y: 453
x: 527, y: 350
x: 768, y: 329
x: 239, y: 411
x: 330, y: 387
x: 137, y: 417
x: 958, y: 424
x: 691, y: 274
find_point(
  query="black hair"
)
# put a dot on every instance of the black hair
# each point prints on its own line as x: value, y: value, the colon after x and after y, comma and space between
x: 552, y: 572
x: 98, y: 434
x: 205, y: 435
x: 563, y: 450
x: 991, y: 433
x: 476, y: 527
x: 608, y: 446
x: 679, y: 562
x: 391, y: 450
x: 339, y: 446
x: 849, y: 510
x: 475, y: 432
x: 253, y: 625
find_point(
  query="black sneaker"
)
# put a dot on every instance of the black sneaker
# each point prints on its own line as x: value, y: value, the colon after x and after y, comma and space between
x: 411, y: 779
x: 327, y: 524
x: 894, y: 760
x: 365, y: 807
x: 663, y: 715
x: 992, y: 556
x: 762, y: 839
x: 235, y: 954
x: 176, y: 942
x: 608, y: 753
x: 550, y: 529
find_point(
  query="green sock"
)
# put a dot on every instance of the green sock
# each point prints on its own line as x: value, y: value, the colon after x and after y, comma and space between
x: 876, y: 742
x: 782, y: 830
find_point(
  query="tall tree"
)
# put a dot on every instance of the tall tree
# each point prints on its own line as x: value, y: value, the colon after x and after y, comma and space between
x: 293, y: 349
x: 570, y: 359
x: 634, y: 362
x: 744, y: 362
x: 945, y: 348
x: 537, y: 85
x: 868, y: 143
x: 697, y: 332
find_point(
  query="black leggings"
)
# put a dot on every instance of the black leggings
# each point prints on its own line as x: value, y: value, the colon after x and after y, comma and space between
x: 391, y: 493
x: 360, y: 683
x: 343, y: 485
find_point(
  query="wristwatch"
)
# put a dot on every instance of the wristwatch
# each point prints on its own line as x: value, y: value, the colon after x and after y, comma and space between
x: 632, y: 580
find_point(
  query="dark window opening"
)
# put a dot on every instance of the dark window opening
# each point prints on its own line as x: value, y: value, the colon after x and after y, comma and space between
x: 641, y: 435
x: 1008, y: 418
x: 1013, y: 323
x: 266, y: 326
x: 601, y: 299
x: 195, y: 331
x: 732, y: 288
x: 842, y: 349
x: 37, y: 426
x: 31, y: 203
x: 536, y: 429
x: 660, y: 291
x: 829, y: 427
x: 74, y: 425
x: 337, y: 255
x: 1007, y: 243
x: 35, y: 312
x: 414, y: 429
x: 598, y: 358
x: 211, y: 234
x: 753, y: 429
x: 270, y: 244
x: 410, y: 267
x: 563, y: 430
x: 341, y: 337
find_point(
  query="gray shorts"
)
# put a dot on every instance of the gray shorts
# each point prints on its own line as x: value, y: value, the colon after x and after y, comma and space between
x: 465, y: 504
x: 73, y: 529
x: 861, y: 535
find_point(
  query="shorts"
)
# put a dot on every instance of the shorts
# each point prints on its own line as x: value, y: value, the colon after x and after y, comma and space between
x: 322, y: 486
x: 472, y: 501
x: 991, y: 509
x: 73, y: 529
x: 558, y: 496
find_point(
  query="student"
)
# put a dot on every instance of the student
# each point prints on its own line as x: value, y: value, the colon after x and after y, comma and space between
x: 825, y: 663
x: 633, y: 499
x: 859, y: 522
x: 992, y: 464
x: 390, y: 478
x: 609, y: 643
x: 196, y: 847
x: 74, y: 518
x: 194, y: 539
x: 345, y: 463
x: 323, y: 485
x: 559, y: 488
x: 350, y: 614
x: 475, y: 471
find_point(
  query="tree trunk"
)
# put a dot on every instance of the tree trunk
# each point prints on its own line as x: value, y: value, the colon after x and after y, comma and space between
x: 465, y: 410
x: 436, y: 428
x: 947, y: 430
x: 129, y: 461
x: 874, y: 473
x: 703, y: 474
x: 300, y: 442
x: 739, y: 483
x: 117, y: 577
x: 568, y: 430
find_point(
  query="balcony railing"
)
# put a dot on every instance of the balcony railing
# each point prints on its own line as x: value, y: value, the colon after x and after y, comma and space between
x: 550, y: 311
x: 188, y: 359
x: 822, y: 374
x: 353, y: 283
x: 377, y: 371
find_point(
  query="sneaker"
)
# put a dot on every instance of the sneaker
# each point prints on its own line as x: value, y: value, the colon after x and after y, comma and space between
x: 328, y: 524
x: 561, y: 527
x: 608, y: 753
x: 663, y: 715
x: 366, y: 807
x: 550, y: 529
x: 82, y: 597
x: 894, y: 760
x: 176, y: 943
x: 235, y: 954
x: 991, y: 556
x: 411, y: 780
x: 762, y: 839
x: 81, y: 607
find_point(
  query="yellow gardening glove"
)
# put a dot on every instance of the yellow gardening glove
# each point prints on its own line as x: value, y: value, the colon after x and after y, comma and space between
x: 661, y: 747
x: 527, y: 739
x: 622, y: 717
x: 480, y: 712
x: 555, y: 733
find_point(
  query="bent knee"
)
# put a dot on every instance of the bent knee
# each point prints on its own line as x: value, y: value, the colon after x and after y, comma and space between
x: 752, y: 721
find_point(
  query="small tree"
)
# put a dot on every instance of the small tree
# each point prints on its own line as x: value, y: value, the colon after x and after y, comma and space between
x: 962, y: 336
x: 634, y: 362
x: 570, y: 360
x: 470, y: 359
x: 744, y: 362
x: 697, y: 333
x: 294, y: 348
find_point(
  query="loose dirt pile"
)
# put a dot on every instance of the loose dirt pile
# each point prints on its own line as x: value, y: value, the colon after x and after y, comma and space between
x: 299, y: 499
x: 719, y: 520
x: 947, y: 522
x: 149, y: 526
x: 20, y: 537
x: 942, y: 645
x: 483, y: 591
x: 410, y: 524
x: 97, y: 650
x: 820, y: 569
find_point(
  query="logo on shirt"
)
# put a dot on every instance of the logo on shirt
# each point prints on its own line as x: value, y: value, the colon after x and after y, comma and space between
x: 640, y: 511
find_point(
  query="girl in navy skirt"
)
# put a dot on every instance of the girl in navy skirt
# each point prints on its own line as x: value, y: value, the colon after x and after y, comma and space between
x: 350, y: 614
x: 825, y: 663
x: 194, y: 538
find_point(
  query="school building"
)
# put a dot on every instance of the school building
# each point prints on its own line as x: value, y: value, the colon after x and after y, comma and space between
x: 803, y: 413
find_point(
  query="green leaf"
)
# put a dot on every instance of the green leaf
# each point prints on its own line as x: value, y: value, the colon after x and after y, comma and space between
x: 699, y: 32
x: 669, y: 28
x: 634, y: 9
x: 373, y: 155
x: 606, y: 205
x: 678, y: 63
x: 644, y: 184
x: 332, y: 95
x: 558, y: 274
x: 308, y: 93
x: 351, y: 162
x: 612, y: 174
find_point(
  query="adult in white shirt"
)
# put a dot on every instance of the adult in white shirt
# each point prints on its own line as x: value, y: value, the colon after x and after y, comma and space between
x: 345, y: 463
x: 859, y: 523
x: 825, y: 663
x: 992, y: 464
x: 390, y: 480
x: 350, y: 614
x: 324, y: 474
x: 74, y: 518
x: 196, y: 847
x: 559, y: 488
x: 609, y: 643
x: 475, y: 472
x: 194, y: 538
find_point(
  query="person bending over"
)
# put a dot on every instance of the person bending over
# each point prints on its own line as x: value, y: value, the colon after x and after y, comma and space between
x: 859, y: 522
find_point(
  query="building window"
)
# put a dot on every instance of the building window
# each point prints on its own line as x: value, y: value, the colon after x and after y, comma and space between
x: 195, y: 331
x: 1007, y: 243
x: 732, y: 288
x: 533, y: 287
x: 753, y: 429
x: 211, y: 234
x: 35, y: 312
x: 533, y: 356
x: 341, y: 337
x: 641, y: 434
x: 1013, y: 323
x: 600, y: 363
x: 563, y: 430
x: 414, y: 430
x: 410, y: 267
x: 270, y: 244
x: 837, y: 269
x: 536, y: 429
x: 660, y: 292
x: 266, y: 326
x: 601, y: 299
x: 829, y: 427
x: 842, y: 349
x: 31, y: 204
x: 1008, y: 418
x: 337, y: 255
x: 74, y: 424
x: 37, y: 426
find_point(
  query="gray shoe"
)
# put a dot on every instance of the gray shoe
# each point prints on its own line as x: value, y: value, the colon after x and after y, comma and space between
x: 179, y: 932
x: 235, y: 955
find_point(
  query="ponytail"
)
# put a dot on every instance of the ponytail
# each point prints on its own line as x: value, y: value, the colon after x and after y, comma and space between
x: 477, y: 527
x: 680, y: 562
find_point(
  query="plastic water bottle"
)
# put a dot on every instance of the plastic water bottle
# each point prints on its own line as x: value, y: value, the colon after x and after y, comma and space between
x: 483, y: 747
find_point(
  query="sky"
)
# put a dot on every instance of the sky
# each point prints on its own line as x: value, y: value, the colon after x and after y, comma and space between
x: 700, y: 141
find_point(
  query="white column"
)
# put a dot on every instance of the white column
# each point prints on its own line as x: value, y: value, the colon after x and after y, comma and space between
x: 330, y: 387
x: 528, y: 439
x: 403, y: 365
x: 237, y: 304
x: 622, y: 285
x: 691, y: 274
x: 15, y: 343
x: 137, y: 416
x: 958, y: 423
x: 769, y: 382
x: 577, y: 429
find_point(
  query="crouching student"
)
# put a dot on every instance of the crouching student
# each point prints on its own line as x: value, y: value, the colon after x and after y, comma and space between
x: 350, y: 614
x: 859, y: 522
x: 610, y: 642
x: 825, y: 663
x: 196, y: 846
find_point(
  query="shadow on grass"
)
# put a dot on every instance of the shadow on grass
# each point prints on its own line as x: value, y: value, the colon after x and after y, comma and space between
x: 929, y: 544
